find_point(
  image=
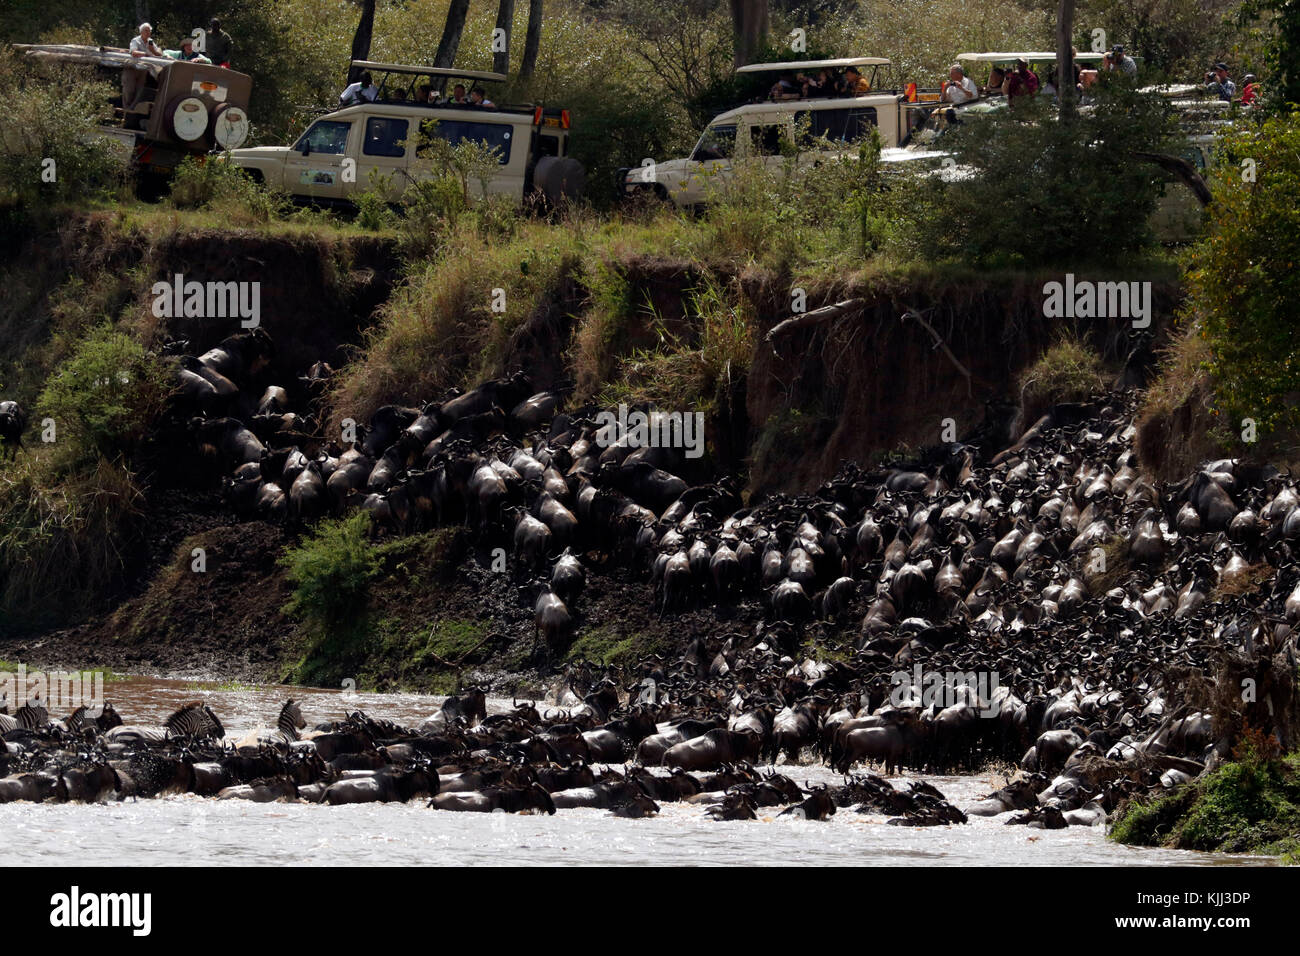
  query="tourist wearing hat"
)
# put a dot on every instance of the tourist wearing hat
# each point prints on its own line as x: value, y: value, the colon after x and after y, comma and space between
x: 1119, y: 60
x: 1220, y: 84
x: 1249, y: 90
x: 188, y: 52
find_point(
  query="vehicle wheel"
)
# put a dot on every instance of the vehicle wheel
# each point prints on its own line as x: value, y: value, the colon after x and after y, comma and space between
x: 186, y: 118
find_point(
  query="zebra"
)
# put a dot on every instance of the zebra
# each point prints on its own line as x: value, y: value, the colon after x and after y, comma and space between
x: 287, y: 725
x: 194, y: 720
x: 32, y: 715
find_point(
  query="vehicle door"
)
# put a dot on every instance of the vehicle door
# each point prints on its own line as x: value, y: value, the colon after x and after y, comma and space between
x: 709, y: 165
x: 386, y: 148
x: 315, y: 167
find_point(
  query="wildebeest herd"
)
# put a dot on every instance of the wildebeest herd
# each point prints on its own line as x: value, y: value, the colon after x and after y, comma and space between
x: 1086, y: 598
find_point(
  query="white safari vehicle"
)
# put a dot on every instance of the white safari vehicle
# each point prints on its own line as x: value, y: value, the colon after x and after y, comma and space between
x: 757, y: 130
x: 334, y: 157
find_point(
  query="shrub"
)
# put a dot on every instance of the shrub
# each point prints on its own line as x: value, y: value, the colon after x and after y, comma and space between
x: 331, y: 571
x: 104, y: 398
x: 1243, y: 281
x: 1041, y: 189
x: 1069, y: 371
x: 202, y: 183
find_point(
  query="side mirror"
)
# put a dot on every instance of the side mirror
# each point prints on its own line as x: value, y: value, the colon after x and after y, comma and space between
x: 306, y: 148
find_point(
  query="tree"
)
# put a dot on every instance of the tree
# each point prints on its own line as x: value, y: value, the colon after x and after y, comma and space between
x: 361, y: 39
x: 749, y: 23
x: 451, y: 31
x: 1065, y: 58
x: 505, y: 21
x: 532, y: 39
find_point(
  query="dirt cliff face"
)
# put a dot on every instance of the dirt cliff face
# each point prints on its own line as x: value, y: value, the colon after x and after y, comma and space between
x: 879, y: 378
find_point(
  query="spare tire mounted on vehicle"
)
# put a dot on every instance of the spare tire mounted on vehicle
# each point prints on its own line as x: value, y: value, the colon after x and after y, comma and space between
x: 230, y: 126
x: 186, y: 118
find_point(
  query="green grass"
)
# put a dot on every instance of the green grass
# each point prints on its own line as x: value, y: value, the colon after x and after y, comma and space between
x: 1248, y: 806
x: 603, y: 646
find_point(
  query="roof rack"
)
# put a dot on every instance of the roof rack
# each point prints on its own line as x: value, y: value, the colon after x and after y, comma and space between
x: 815, y: 64
x: 416, y: 70
x: 1032, y: 57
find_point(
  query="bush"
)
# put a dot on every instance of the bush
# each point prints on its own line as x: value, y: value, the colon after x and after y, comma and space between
x: 1069, y: 371
x: 331, y: 571
x: 1041, y: 190
x: 48, y: 147
x: 104, y: 398
x: 1243, y: 282
x: 201, y: 183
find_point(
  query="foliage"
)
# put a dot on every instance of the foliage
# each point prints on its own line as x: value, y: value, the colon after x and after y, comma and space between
x: 48, y: 150
x: 104, y: 398
x: 1277, y: 22
x: 1069, y: 371
x: 64, y: 537
x: 1040, y: 189
x: 1176, y: 39
x: 202, y: 183
x: 331, y: 570
x: 1243, y: 279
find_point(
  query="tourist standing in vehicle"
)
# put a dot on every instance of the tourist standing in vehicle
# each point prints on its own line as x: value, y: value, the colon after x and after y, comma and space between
x: 188, y: 54
x: 458, y: 97
x: 478, y: 98
x: 855, y: 84
x: 217, y: 44
x: 1022, y: 81
x: 1249, y: 90
x: 1220, y: 84
x: 997, y: 79
x: 363, y: 89
x: 960, y: 88
x: 1121, y: 61
x: 133, y: 80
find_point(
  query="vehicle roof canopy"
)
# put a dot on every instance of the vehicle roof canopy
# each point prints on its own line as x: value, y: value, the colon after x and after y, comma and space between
x: 1031, y: 57
x: 105, y: 56
x: 840, y: 63
x: 416, y: 70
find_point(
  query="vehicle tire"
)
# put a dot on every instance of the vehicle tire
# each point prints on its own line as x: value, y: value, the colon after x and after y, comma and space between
x: 230, y: 126
x: 559, y: 178
x: 186, y: 118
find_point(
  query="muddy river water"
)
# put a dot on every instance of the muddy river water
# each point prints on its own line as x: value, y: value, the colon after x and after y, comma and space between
x: 192, y: 830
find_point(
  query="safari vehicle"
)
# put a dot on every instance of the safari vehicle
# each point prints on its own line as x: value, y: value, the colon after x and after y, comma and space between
x: 758, y: 130
x: 183, y: 108
x: 333, y: 159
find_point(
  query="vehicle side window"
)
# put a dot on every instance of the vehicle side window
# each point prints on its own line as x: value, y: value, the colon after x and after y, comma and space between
x: 497, y: 136
x: 385, y: 136
x: 718, y: 142
x: 327, y: 136
x: 548, y: 145
x: 766, y: 140
x: 837, y: 126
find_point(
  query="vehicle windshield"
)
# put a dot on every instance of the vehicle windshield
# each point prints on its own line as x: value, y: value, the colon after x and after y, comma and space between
x: 718, y: 142
x: 326, y: 136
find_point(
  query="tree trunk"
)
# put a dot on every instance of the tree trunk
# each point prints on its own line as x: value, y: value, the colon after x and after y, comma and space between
x: 451, y: 31
x: 1065, y: 91
x: 532, y: 39
x: 361, y: 39
x: 749, y: 24
x: 505, y: 22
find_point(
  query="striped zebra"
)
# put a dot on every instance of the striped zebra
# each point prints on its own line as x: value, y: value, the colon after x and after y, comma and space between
x: 32, y: 716
x: 194, y: 720
x: 286, y: 729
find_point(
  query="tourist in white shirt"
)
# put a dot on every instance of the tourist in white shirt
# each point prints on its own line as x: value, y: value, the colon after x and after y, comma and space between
x: 960, y: 88
x: 133, y: 80
x: 363, y: 89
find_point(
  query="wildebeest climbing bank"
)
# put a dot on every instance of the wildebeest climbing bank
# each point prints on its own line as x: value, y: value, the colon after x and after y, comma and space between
x: 409, y: 482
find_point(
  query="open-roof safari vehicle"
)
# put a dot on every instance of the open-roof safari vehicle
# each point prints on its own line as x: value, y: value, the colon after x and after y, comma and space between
x: 758, y: 130
x: 333, y: 159
x: 179, y: 108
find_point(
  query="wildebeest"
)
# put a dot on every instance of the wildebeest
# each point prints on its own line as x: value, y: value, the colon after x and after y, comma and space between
x: 13, y: 422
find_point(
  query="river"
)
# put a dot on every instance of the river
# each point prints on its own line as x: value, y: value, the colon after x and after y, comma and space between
x: 192, y: 830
